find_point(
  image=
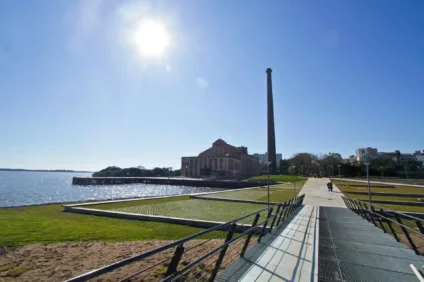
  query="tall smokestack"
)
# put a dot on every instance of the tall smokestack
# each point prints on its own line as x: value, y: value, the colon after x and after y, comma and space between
x: 271, y: 131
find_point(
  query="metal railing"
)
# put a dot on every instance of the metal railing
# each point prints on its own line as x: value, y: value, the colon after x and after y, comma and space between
x: 390, y: 220
x: 202, y: 261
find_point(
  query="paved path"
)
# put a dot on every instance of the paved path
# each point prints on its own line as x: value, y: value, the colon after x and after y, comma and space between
x: 325, y: 241
x: 317, y: 193
x: 289, y: 254
x: 380, y: 182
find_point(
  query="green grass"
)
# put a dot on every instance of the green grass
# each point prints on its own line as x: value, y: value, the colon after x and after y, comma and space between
x: 184, y: 207
x: 196, y: 209
x: 127, y: 204
x: 364, y: 188
x: 49, y: 224
x: 397, y: 189
x: 276, y: 178
x: 282, y: 195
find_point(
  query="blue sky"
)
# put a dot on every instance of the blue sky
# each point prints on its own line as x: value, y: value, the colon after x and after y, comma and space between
x: 75, y: 93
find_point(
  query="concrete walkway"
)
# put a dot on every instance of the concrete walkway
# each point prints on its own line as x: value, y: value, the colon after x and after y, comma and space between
x: 317, y: 194
x: 290, y: 254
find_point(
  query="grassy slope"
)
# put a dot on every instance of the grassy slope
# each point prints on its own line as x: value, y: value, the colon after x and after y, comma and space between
x: 197, y: 209
x: 48, y: 224
x: 397, y: 189
x: 278, y: 178
x: 281, y: 195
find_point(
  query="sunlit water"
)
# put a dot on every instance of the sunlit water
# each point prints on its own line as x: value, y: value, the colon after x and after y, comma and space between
x: 32, y: 188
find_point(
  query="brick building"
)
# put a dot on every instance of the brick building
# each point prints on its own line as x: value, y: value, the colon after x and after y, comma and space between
x: 221, y: 160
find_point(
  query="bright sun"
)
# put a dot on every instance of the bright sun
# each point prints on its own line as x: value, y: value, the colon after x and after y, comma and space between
x: 151, y: 38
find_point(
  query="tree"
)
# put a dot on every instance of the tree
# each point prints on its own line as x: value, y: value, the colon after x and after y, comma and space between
x: 284, y: 166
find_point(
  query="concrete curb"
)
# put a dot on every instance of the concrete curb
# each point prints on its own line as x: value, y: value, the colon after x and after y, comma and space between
x: 143, y: 217
x: 233, y: 200
x: 379, y: 182
x: 158, y: 197
x: 386, y: 194
x: 400, y: 203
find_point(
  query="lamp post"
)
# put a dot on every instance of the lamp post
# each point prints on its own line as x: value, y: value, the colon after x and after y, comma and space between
x: 294, y: 180
x: 267, y: 165
x: 382, y: 175
x: 340, y: 175
x: 368, y: 179
x: 406, y: 170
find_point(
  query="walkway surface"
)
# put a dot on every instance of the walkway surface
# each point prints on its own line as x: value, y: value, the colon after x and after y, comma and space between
x: 317, y: 193
x: 286, y: 255
x: 353, y: 249
x: 325, y: 241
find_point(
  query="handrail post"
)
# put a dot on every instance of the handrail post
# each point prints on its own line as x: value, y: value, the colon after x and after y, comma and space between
x: 281, y: 214
x: 355, y: 207
x: 172, y: 267
x: 358, y: 209
x: 275, y: 218
x: 352, y: 206
x: 291, y: 208
x: 390, y: 226
x: 379, y: 221
x: 265, y: 223
x: 222, y: 253
x: 420, y: 227
x: 249, y: 236
x: 365, y: 212
x: 361, y: 209
x: 370, y: 214
x: 405, y: 231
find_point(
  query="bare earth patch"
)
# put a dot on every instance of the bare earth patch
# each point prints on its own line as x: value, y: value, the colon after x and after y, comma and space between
x: 57, y: 262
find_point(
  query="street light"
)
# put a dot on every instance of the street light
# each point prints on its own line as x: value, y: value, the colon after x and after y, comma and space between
x: 340, y: 175
x: 267, y: 165
x: 368, y: 179
x: 294, y: 180
x: 406, y: 171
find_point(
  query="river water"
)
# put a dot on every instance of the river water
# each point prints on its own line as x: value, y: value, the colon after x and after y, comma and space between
x: 32, y: 188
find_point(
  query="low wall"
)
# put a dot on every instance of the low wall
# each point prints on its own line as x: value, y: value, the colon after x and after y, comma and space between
x: 85, y: 181
x: 232, y: 200
x: 182, y: 221
x: 401, y: 203
x: 385, y: 194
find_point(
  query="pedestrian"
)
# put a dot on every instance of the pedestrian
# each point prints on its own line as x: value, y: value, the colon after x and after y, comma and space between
x: 331, y: 186
x: 328, y: 186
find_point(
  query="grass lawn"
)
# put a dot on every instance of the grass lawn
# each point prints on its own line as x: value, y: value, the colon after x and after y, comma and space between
x: 184, y: 207
x: 364, y: 188
x: 397, y: 189
x: 276, y: 178
x: 49, y: 224
x: 196, y: 209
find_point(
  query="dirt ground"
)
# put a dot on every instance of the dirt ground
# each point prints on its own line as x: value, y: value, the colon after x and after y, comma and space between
x: 58, y: 262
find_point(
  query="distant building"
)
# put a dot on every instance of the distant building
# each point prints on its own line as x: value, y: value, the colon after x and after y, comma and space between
x: 352, y: 159
x: 367, y: 153
x: 263, y: 158
x: 221, y: 160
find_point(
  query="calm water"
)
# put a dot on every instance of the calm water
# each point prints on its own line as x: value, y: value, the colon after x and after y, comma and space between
x: 31, y: 188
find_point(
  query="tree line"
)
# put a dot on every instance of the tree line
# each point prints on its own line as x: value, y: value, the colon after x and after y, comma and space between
x: 329, y: 164
x: 140, y: 171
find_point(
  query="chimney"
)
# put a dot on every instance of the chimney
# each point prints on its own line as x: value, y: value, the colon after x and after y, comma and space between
x: 271, y: 130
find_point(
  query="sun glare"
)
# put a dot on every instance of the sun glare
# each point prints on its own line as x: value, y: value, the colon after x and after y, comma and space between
x: 151, y: 38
